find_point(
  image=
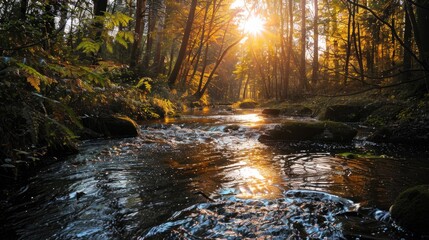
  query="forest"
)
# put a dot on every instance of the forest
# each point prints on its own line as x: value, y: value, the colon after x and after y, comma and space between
x: 76, y: 73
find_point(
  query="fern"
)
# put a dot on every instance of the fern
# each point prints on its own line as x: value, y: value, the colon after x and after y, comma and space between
x: 145, y: 83
x: 89, y: 46
x: 34, y: 78
x: 116, y: 19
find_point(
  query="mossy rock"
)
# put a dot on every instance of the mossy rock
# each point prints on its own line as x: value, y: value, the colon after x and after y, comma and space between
x: 350, y: 155
x: 112, y: 126
x: 383, y: 115
x: 248, y: 104
x: 312, y: 131
x: 348, y: 113
x: 411, y: 209
x: 407, y: 133
x: 297, y: 111
x: 271, y: 112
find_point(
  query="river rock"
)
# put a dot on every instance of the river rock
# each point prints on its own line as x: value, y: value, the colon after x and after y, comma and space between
x: 406, y: 133
x: 248, y: 104
x: 296, y: 110
x: 111, y: 126
x: 411, y: 209
x: 312, y: 131
x: 271, y: 112
x: 343, y: 113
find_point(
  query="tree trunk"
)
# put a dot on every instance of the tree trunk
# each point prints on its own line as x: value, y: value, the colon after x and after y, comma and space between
x: 303, y: 80
x: 138, y: 34
x: 23, y: 9
x: 315, y: 75
x: 348, y: 44
x: 408, y: 44
x: 151, y: 23
x: 198, y: 95
x: 182, y: 52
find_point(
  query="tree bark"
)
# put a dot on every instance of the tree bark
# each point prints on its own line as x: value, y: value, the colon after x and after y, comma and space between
x: 303, y: 80
x: 138, y: 34
x: 182, y: 52
x: 315, y: 75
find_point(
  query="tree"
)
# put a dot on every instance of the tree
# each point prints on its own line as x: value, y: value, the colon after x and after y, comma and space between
x: 182, y: 52
x: 138, y: 31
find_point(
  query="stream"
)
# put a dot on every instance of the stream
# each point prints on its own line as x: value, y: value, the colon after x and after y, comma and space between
x: 205, y: 175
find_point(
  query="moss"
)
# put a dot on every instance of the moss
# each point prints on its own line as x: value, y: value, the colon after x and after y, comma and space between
x: 296, y: 110
x: 116, y: 126
x: 247, y: 103
x: 411, y: 209
x: 350, y: 155
x: 384, y: 115
x: 316, y: 131
x: 340, y: 132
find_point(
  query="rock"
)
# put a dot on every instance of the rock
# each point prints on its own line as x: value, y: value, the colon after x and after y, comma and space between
x: 343, y: 113
x: 271, y: 112
x: 312, y: 131
x: 233, y: 127
x: 407, y: 133
x: 111, y: 126
x: 411, y: 209
x: 297, y: 111
x: 249, y: 104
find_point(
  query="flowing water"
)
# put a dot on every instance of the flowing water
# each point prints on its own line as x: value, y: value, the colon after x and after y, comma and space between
x: 206, y: 175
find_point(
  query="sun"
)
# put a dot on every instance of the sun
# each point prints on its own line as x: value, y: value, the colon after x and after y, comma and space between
x: 254, y: 25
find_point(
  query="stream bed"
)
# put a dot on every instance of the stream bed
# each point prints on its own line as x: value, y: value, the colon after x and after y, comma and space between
x: 206, y: 175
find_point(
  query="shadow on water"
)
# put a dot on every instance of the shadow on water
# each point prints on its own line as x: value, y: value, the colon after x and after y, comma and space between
x: 160, y: 184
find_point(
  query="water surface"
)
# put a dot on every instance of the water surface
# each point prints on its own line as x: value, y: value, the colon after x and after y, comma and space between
x: 182, y: 177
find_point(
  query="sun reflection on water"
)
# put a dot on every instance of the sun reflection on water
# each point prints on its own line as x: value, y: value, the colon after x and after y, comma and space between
x: 255, y: 182
x: 251, y: 173
x: 251, y: 118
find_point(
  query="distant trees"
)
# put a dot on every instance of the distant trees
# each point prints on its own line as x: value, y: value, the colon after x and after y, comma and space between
x: 307, y: 47
x: 355, y: 44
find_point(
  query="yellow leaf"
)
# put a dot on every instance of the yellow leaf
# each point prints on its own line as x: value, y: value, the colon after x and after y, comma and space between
x: 35, y: 82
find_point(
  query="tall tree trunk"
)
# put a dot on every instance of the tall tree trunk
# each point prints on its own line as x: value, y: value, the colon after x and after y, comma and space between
x: 182, y: 52
x: 302, y: 75
x: 49, y: 23
x: 289, y: 51
x: 348, y: 43
x: 408, y: 43
x: 151, y: 23
x: 158, y: 66
x: 198, y: 95
x: 138, y: 34
x: 23, y: 9
x: 315, y: 75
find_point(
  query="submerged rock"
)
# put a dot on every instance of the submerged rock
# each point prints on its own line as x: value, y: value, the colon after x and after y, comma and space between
x: 411, y: 209
x: 271, y: 112
x: 312, y: 130
x: 111, y: 126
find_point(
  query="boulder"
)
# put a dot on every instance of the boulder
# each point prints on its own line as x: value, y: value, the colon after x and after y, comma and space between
x: 112, y: 126
x: 343, y: 113
x: 297, y: 111
x: 271, y: 112
x: 248, y: 104
x: 411, y: 209
x: 406, y: 133
x: 311, y: 131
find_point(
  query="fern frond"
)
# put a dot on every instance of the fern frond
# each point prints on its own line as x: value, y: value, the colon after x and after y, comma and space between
x: 89, y: 46
x: 34, y: 78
